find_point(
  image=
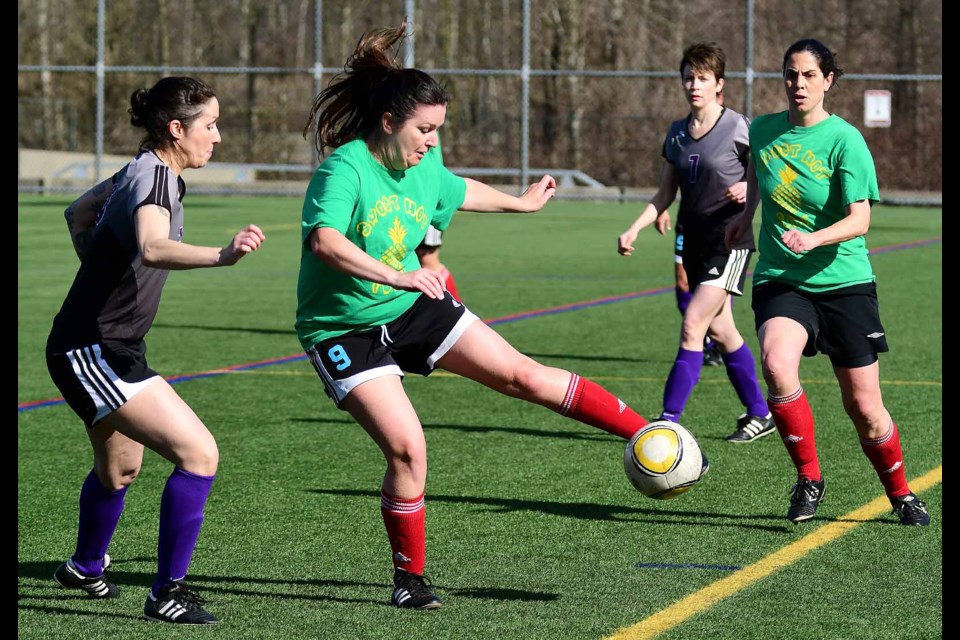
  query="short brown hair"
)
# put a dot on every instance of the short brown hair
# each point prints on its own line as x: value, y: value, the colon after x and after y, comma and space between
x: 705, y: 56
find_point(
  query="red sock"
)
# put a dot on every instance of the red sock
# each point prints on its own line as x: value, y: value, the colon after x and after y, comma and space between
x: 450, y: 284
x: 887, y: 458
x: 591, y: 404
x: 795, y: 423
x: 405, y: 519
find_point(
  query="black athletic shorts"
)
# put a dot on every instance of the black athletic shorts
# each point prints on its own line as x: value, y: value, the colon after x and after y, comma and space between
x: 715, y: 266
x: 412, y: 343
x: 98, y: 379
x: 843, y: 323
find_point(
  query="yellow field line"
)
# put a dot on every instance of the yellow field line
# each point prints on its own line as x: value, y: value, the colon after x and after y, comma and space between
x: 710, y: 595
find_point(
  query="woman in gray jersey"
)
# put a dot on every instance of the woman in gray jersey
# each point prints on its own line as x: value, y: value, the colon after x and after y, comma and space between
x: 127, y: 232
x: 705, y: 157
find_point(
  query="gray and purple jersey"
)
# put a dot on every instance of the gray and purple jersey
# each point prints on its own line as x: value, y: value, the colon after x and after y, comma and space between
x: 706, y: 168
x: 114, y: 296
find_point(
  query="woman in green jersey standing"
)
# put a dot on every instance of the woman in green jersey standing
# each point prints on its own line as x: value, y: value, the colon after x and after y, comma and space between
x: 814, y: 288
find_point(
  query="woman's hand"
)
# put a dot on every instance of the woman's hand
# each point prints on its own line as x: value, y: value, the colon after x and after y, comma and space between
x: 246, y: 241
x: 798, y: 241
x: 424, y: 280
x: 663, y: 223
x: 737, y: 192
x: 538, y: 194
x: 626, y: 240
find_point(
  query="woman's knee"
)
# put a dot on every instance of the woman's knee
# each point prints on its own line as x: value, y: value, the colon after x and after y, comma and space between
x: 864, y: 406
x: 116, y: 475
x: 694, y: 329
x: 408, y: 455
x: 780, y: 369
x: 531, y: 380
x: 202, y: 458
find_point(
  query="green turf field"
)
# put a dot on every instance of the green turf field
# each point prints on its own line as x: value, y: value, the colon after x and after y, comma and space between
x: 533, y: 530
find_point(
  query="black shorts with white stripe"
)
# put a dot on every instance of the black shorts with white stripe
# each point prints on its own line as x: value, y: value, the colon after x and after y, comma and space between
x: 98, y: 379
x: 717, y: 267
x: 412, y: 343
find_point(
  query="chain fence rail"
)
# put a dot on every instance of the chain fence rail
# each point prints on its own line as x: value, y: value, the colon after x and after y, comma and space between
x: 583, y: 90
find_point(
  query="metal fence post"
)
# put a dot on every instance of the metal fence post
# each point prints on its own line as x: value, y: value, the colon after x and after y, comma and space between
x: 101, y: 89
x: 525, y: 100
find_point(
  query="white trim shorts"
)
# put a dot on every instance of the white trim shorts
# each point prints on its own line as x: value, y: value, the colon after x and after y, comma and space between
x: 98, y: 379
x: 412, y: 343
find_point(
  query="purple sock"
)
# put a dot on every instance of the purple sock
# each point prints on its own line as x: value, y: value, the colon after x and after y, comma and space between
x: 100, y: 510
x: 680, y: 383
x: 683, y: 300
x: 742, y: 371
x: 181, y: 514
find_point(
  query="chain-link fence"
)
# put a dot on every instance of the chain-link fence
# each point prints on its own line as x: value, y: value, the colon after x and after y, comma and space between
x: 585, y: 89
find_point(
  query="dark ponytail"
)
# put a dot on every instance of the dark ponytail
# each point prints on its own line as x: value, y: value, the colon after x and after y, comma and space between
x: 371, y: 84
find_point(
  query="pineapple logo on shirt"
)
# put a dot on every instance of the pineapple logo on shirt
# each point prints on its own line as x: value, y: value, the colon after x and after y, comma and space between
x: 788, y: 197
x: 390, y: 207
x: 394, y: 255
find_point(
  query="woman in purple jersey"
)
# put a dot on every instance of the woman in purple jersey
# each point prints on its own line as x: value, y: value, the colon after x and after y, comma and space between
x: 705, y: 157
x: 127, y: 233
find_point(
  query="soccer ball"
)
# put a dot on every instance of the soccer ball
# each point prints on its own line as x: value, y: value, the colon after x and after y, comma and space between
x: 663, y: 460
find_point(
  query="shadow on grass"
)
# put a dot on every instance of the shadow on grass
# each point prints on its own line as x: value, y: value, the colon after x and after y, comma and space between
x: 99, y: 614
x: 238, y: 585
x: 466, y: 428
x: 594, y: 511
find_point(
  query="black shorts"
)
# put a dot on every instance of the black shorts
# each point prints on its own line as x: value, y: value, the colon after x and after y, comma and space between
x: 412, y: 343
x: 844, y: 323
x: 98, y: 379
x: 716, y: 267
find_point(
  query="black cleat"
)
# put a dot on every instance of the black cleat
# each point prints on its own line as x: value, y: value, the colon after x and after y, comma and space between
x: 98, y: 587
x: 749, y: 428
x: 712, y: 356
x: 805, y: 497
x: 178, y: 604
x: 410, y: 591
x: 911, y: 510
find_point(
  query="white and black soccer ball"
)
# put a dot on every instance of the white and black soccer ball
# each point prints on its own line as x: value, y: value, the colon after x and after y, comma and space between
x: 663, y: 460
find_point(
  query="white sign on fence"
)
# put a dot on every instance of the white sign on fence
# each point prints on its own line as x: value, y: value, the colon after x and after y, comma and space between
x: 876, y: 108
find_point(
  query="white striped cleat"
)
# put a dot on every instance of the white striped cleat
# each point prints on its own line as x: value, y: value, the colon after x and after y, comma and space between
x: 410, y: 591
x: 67, y: 575
x: 178, y: 604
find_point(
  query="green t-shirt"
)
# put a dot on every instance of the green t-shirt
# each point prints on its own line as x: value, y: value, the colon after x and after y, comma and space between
x: 385, y: 213
x: 807, y: 177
